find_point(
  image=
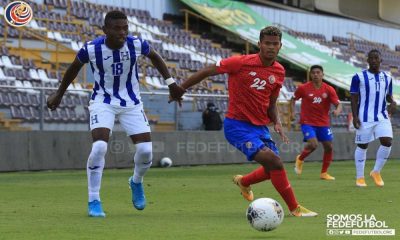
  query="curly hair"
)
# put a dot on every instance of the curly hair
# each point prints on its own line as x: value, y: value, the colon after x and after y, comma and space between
x: 271, y: 31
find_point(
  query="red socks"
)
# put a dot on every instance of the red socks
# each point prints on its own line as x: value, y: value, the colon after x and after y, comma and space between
x: 327, y: 159
x: 255, y: 176
x: 278, y: 179
x: 282, y: 185
x: 304, y: 154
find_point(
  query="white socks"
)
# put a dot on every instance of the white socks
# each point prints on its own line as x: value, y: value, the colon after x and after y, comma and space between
x: 94, y: 169
x: 143, y: 159
x: 381, y: 157
x: 360, y: 155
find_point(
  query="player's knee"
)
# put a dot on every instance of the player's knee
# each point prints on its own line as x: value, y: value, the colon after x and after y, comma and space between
x: 144, y: 153
x: 99, y: 149
x: 312, y: 146
x: 386, y: 142
x: 362, y: 146
x: 328, y: 148
x: 269, y: 160
x: 96, y: 157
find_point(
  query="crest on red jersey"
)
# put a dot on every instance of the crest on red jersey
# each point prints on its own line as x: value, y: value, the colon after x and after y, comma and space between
x: 271, y: 79
x: 324, y: 95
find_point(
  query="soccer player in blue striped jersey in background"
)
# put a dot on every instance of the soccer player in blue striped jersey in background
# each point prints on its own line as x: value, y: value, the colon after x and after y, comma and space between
x: 370, y: 91
x: 113, y: 61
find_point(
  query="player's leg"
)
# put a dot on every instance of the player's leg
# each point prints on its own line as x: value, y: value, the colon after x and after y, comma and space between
x: 310, y: 138
x: 245, y: 137
x: 101, y: 122
x: 135, y: 123
x: 364, y: 135
x: 142, y: 160
x: 273, y: 164
x: 384, y: 132
x: 325, y: 136
x: 326, y: 160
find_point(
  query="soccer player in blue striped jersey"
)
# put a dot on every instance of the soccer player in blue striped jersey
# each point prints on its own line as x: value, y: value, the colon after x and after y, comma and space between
x: 371, y: 90
x: 113, y: 61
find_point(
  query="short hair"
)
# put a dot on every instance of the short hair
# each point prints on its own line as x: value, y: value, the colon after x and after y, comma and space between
x: 374, y: 51
x: 112, y: 15
x: 271, y: 31
x: 316, y: 66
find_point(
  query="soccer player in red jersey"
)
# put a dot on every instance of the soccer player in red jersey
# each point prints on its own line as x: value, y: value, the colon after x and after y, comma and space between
x: 254, y: 84
x: 316, y: 97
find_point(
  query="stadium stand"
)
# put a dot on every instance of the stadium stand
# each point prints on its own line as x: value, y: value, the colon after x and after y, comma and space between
x: 71, y: 23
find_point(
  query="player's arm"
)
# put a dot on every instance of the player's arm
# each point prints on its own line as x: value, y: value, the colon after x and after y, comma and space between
x: 338, y: 109
x: 199, y: 76
x: 354, y: 98
x: 273, y: 114
x: 55, y: 99
x: 390, y: 100
x: 175, y: 91
x: 292, y: 103
x: 335, y: 101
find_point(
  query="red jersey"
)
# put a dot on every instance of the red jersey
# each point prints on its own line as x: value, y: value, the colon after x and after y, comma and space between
x: 316, y: 103
x: 250, y: 86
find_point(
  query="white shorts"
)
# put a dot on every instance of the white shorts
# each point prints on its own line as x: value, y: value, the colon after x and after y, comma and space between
x: 369, y: 131
x: 133, y: 119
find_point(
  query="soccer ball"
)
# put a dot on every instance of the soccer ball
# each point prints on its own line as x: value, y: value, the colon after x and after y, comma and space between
x: 265, y: 214
x: 165, y: 162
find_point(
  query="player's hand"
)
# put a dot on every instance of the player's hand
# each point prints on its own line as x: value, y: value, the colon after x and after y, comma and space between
x: 392, y: 108
x: 336, y: 113
x: 278, y: 128
x: 53, y: 101
x: 356, y: 122
x: 175, y: 93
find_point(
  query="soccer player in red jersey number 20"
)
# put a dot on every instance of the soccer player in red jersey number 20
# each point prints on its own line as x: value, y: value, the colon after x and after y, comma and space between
x: 316, y: 99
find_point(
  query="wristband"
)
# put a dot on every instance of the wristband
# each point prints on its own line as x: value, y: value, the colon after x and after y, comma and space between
x: 169, y: 81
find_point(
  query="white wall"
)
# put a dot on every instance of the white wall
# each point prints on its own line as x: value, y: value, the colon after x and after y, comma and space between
x: 389, y: 10
x: 329, y: 26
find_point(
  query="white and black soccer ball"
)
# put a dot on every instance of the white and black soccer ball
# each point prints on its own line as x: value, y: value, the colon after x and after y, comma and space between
x: 165, y: 162
x: 265, y: 214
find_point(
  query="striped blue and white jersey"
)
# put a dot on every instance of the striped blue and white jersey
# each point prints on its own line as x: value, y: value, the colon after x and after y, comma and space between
x: 115, y: 71
x: 372, y: 90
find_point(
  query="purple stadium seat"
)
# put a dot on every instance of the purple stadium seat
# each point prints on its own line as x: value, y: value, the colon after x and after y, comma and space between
x: 35, y: 113
x: 33, y: 99
x: 55, y: 116
x: 16, y: 113
x: 71, y: 114
x: 63, y: 114
x: 26, y: 113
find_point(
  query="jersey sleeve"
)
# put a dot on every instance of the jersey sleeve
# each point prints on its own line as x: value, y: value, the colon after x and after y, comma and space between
x: 83, y: 55
x: 333, y: 96
x: 298, y: 93
x: 145, y: 50
x: 390, y: 90
x: 229, y: 65
x: 355, y: 84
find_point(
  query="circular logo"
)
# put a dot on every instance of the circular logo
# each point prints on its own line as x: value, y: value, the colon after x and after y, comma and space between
x: 249, y: 144
x: 271, y: 79
x: 324, y: 95
x: 18, y: 13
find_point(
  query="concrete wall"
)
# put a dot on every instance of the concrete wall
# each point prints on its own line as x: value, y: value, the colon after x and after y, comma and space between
x: 389, y: 10
x: 23, y: 151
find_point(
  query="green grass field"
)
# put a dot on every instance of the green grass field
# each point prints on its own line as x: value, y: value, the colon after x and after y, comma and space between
x: 186, y: 203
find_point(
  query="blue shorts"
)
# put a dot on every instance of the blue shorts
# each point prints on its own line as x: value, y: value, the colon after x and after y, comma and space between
x: 321, y: 133
x: 248, y: 138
